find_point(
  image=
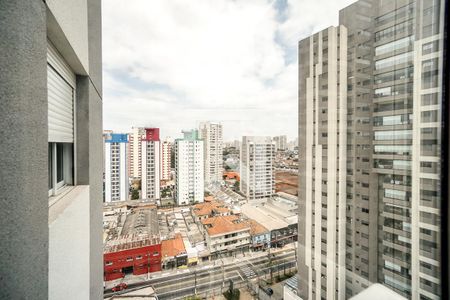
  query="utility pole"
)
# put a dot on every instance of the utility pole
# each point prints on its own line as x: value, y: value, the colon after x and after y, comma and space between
x: 195, y: 281
x: 148, y: 265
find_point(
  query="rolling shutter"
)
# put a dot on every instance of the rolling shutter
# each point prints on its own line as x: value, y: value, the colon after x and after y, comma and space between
x: 60, y: 85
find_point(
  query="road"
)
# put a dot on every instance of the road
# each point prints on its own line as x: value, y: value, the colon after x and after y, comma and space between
x: 204, y: 279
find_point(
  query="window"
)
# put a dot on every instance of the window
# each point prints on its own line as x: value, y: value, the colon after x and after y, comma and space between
x: 393, y: 60
x: 395, y: 45
x: 60, y: 166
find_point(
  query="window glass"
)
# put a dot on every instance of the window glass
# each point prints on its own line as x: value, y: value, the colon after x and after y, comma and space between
x: 59, y: 162
x: 395, y: 45
x: 393, y: 60
x: 50, y: 166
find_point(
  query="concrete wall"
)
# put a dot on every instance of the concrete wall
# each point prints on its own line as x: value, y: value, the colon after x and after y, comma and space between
x: 74, y: 27
x: 23, y: 150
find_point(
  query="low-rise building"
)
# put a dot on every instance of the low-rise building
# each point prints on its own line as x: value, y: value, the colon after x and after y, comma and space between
x: 226, y: 235
x: 209, y: 209
x: 174, y: 253
x: 278, y: 216
x: 260, y: 235
x: 131, y: 255
x: 134, y: 246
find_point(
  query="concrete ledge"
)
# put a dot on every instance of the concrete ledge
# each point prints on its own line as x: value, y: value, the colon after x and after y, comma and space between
x: 69, y: 254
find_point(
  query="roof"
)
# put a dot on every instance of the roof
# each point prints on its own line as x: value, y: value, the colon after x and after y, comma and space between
x: 142, y: 220
x: 209, y: 208
x: 116, y: 138
x: 209, y: 199
x: 173, y: 247
x: 378, y: 291
x: 268, y: 216
x: 224, y: 224
x: 256, y: 228
x: 130, y: 242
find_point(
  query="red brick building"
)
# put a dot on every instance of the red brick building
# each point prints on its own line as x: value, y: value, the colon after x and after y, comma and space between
x: 131, y: 256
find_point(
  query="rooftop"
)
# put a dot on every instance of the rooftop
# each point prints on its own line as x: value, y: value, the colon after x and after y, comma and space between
x: 272, y: 215
x: 209, y: 208
x: 130, y: 242
x: 141, y: 221
x: 224, y: 224
x: 173, y: 247
x: 256, y: 228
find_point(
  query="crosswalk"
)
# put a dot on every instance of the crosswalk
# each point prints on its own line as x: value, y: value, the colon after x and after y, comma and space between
x: 249, y: 273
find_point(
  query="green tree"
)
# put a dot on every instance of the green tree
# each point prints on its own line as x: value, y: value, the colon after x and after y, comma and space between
x: 134, y: 195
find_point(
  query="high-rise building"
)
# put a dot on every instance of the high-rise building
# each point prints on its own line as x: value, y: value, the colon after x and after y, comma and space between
x: 280, y: 142
x: 150, y: 164
x: 211, y: 134
x: 370, y: 125
x: 189, y: 180
x: 135, y: 152
x: 116, y: 167
x: 322, y: 133
x: 166, y: 152
x: 51, y: 170
x: 257, y: 167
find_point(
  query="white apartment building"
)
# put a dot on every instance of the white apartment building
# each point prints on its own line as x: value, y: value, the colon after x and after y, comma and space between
x: 189, y: 173
x: 150, y: 164
x: 116, y: 167
x: 211, y: 134
x: 280, y: 142
x: 166, y: 150
x: 257, y: 158
x: 135, y: 152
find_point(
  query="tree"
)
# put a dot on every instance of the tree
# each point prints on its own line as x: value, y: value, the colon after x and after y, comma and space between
x: 134, y: 194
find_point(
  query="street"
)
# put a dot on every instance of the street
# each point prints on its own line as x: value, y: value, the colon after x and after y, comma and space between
x: 213, y: 278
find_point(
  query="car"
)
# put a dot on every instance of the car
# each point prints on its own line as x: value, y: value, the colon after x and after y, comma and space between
x: 268, y: 291
x: 120, y: 287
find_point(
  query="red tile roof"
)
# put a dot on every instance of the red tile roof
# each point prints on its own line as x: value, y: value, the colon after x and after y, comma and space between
x: 224, y: 224
x: 172, y: 247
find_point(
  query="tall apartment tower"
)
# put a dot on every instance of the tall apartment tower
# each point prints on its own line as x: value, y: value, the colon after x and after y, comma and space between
x: 378, y: 164
x: 189, y: 165
x: 150, y: 164
x: 257, y: 167
x: 51, y: 171
x: 135, y: 152
x: 166, y: 151
x: 322, y: 133
x: 116, y: 167
x: 211, y: 134
x: 280, y: 142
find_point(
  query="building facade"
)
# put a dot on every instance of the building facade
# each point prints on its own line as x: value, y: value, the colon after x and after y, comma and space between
x: 211, y: 134
x: 135, y: 152
x: 51, y: 91
x: 116, y: 167
x: 150, y: 164
x: 280, y: 142
x: 225, y: 235
x: 166, y: 152
x: 137, y: 258
x: 189, y: 168
x: 257, y: 167
x: 383, y: 84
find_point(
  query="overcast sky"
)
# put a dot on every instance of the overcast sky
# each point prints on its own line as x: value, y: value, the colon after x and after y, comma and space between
x: 173, y: 63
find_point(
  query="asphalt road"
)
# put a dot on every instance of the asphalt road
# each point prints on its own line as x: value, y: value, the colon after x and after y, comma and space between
x: 207, y: 278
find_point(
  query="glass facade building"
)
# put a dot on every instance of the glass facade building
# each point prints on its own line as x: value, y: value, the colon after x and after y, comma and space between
x: 393, y: 104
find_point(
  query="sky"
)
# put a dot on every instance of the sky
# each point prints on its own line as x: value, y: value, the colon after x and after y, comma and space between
x: 174, y: 63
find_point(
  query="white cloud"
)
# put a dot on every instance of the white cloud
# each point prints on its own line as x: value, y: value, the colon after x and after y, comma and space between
x: 172, y: 63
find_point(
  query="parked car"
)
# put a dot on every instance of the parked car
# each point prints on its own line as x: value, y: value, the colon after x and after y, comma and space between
x: 120, y: 287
